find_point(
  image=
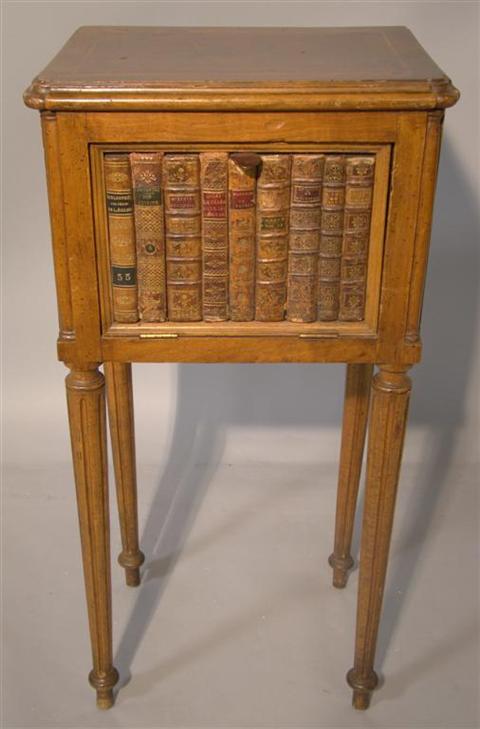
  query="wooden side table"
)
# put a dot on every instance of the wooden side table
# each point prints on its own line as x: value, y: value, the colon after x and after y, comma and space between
x: 333, y: 90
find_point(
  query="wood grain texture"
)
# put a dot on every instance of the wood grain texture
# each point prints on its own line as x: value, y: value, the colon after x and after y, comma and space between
x: 118, y: 376
x: 82, y: 279
x: 57, y: 224
x: 222, y: 128
x: 354, y: 428
x: 390, y: 397
x: 424, y: 223
x: 154, y: 68
x: 86, y: 411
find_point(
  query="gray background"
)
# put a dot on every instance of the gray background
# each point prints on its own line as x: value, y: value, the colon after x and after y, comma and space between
x: 237, y: 416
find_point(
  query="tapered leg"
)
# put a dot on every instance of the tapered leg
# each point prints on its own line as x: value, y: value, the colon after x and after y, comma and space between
x: 120, y: 414
x: 391, y: 391
x: 86, y: 410
x: 355, y: 416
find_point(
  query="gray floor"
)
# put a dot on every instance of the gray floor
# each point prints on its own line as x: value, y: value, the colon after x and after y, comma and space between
x: 236, y: 624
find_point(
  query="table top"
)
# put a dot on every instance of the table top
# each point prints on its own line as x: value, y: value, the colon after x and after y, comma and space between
x: 140, y: 67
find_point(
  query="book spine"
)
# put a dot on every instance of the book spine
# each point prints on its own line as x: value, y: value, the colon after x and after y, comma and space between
x: 273, y: 210
x: 149, y: 233
x: 331, y: 237
x: 241, y: 222
x: 358, y: 209
x: 121, y: 233
x: 214, y: 181
x: 181, y: 177
x: 304, y: 236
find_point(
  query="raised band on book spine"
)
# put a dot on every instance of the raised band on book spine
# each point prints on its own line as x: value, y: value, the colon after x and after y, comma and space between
x: 121, y: 233
x: 181, y: 175
x: 149, y: 232
x: 331, y: 236
x: 241, y: 220
x: 214, y: 182
x: 358, y: 207
x: 273, y: 209
x: 304, y: 236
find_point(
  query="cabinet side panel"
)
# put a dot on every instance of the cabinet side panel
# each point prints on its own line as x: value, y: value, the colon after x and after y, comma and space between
x: 57, y: 224
x: 79, y: 234
x: 405, y: 185
x: 424, y: 223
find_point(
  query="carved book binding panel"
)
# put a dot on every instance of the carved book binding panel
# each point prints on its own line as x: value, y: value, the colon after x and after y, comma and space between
x: 210, y: 239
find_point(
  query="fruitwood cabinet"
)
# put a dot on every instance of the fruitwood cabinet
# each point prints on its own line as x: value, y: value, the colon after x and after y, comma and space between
x: 333, y: 90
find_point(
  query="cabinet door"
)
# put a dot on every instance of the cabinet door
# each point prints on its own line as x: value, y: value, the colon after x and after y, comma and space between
x: 232, y: 239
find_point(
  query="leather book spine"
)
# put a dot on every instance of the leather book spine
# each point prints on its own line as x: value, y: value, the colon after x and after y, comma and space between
x: 358, y: 209
x: 304, y: 236
x: 181, y: 181
x: 149, y: 233
x: 121, y: 233
x: 214, y: 182
x: 241, y: 223
x: 331, y: 238
x: 273, y: 210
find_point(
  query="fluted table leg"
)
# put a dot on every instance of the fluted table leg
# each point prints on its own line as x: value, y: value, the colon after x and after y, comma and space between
x: 390, y: 397
x: 86, y: 410
x: 355, y: 416
x: 118, y: 376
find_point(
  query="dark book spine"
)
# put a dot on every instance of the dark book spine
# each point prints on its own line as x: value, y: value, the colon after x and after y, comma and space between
x: 304, y: 236
x: 149, y: 232
x: 331, y: 237
x: 181, y: 176
x: 358, y: 208
x: 273, y: 210
x: 121, y: 233
x: 214, y: 181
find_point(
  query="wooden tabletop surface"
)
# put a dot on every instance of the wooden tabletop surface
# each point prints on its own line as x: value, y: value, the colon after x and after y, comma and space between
x: 99, y: 59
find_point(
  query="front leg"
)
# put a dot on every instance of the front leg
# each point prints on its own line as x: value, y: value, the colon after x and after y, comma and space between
x: 86, y: 410
x: 391, y: 391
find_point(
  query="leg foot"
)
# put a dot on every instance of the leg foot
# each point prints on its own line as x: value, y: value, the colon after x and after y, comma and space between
x: 131, y: 563
x: 120, y: 414
x: 341, y: 566
x: 355, y: 415
x: 362, y: 689
x: 104, y: 687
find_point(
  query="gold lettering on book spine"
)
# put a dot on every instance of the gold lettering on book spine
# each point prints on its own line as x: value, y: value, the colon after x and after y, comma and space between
x: 358, y: 207
x: 304, y: 236
x: 214, y: 184
x: 181, y: 182
x: 273, y: 208
x: 121, y: 234
x: 149, y: 232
